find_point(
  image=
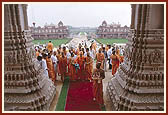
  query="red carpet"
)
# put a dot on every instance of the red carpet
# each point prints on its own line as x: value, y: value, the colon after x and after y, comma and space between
x: 80, y: 97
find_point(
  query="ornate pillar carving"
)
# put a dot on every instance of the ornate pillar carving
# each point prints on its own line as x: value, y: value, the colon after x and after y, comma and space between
x: 138, y: 84
x: 25, y: 86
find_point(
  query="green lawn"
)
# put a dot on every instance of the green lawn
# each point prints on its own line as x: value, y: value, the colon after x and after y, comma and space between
x: 111, y: 40
x: 55, y: 42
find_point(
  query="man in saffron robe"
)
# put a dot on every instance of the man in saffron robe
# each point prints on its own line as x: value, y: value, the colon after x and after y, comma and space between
x: 72, y: 50
x: 121, y: 54
x: 118, y: 54
x: 100, y: 58
x: 72, y: 67
x: 107, y: 47
x: 105, y: 55
x: 98, y: 75
x: 63, y: 66
x: 115, y: 60
x: 80, y: 60
x: 50, y: 67
x: 59, y: 48
x: 78, y: 50
x: 83, y: 50
x: 37, y: 53
x: 50, y: 46
x: 64, y: 51
x: 88, y: 66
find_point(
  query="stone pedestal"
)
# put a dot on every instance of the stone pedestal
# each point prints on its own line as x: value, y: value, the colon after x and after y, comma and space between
x: 138, y: 84
x: 25, y: 86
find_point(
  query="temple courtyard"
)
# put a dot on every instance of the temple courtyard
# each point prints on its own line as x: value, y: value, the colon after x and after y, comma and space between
x: 137, y: 85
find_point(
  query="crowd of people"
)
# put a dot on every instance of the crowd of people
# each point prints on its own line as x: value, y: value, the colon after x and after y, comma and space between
x: 77, y: 63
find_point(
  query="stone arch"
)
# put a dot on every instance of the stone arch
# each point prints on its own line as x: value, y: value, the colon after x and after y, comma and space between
x: 132, y: 85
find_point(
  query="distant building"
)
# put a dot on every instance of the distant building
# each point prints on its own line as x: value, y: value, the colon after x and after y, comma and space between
x: 50, y: 31
x: 76, y: 30
x: 112, y: 31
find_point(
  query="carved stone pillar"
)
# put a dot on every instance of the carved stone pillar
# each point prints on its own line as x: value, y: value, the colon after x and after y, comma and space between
x: 138, y: 84
x: 25, y: 86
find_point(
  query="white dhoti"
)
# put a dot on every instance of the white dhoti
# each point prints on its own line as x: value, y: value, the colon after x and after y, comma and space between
x: 105, y: 62
x: 46, y: 73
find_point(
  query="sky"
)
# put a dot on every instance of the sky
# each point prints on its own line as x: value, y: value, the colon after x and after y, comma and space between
x: 79, y: 14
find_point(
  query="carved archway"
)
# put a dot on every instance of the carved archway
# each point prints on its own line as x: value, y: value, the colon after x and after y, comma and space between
x: 139, y: 82
x: 25, y: 87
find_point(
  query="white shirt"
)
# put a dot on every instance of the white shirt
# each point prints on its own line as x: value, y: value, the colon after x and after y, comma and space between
x: 68, y: 55
x: 44, y: 64
x: 44, y: 67
x: 75, y: 56
x: 121, y: 51
x: 85, y: 54
x: 109, y: 52
x: 54, y: 59
x: 92, y: 54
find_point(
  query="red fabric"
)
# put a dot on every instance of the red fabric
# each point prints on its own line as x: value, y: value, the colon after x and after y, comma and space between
x: 115, y: 63
x: 98, y: 91
x: 80, y: 61
x: 88, y: 68
x: 80, y: 97
x: 63, y: 65
x: 72, y: 70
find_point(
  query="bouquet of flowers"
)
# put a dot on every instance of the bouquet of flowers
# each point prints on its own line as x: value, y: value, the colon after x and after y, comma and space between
x: 77, y: 67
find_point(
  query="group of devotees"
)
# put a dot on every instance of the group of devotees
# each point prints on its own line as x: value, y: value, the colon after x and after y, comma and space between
x: 77, y: 63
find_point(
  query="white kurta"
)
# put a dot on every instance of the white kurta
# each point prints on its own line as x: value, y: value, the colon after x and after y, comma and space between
x: 75, y: 56
x: 54, y: 60
x: 109, y: 52
x: 92, y: 54
x: 44, y: 67
x: 85, y: 54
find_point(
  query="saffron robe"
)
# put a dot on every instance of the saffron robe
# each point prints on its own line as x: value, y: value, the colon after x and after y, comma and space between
x: 98, y: 75
x: 63, y: 65
x: 118, y: 54
x: 37, y: 54
x: 72, y: 72
x: 50, y: 47
x: 121, y: 57
x: 115, y: 60
x: 80, y: 61
x: 89, y: 67
x: 106, y: 48
x: 50, y: 67
x: 100, y: 58
x: 65, y: 52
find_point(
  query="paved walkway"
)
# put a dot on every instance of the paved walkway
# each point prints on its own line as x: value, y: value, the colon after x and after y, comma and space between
x: 75, y: 42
